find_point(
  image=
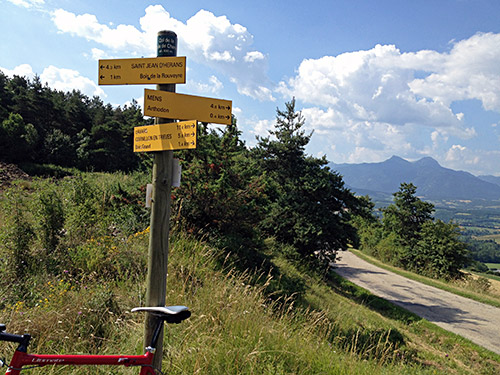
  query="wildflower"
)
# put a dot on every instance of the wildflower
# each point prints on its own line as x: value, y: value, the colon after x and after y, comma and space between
x: 18, y: 306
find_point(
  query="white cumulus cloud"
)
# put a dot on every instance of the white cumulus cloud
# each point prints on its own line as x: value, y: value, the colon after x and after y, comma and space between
x: 254, y: 56
x: 68, y: 80
x: 23, y: 70
x: 471, y: 70
x: 87, y: 26
x: 213, y: 86
x: 480, y: 162
x: 375, y: 103
x: 372, y: 86
x: 460, y: 157
x: 98, y: 54
x: 206, y: 38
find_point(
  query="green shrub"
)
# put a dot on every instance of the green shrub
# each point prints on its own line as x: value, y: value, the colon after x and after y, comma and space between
x: 83, y: 208
x: 51, y: 222
x: 111, y: 258
x: 21, y: 237
x: 389, y: 249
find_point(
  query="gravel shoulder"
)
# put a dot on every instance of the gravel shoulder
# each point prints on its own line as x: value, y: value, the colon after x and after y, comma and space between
x: 473, y: 320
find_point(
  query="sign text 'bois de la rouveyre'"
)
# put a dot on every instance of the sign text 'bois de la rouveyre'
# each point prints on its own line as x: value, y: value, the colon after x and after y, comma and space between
x: 143, y: 71
x: 183, y: 107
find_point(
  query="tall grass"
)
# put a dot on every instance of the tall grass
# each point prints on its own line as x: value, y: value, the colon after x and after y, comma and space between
x: 237, y: 329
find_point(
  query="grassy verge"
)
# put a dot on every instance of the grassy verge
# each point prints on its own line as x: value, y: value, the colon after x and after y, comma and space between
x: 456, y: 288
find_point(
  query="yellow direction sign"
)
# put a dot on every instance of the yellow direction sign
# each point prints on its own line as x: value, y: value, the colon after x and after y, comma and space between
x: 144, y: 71
x: 172, y: 136
x: 182, y: 107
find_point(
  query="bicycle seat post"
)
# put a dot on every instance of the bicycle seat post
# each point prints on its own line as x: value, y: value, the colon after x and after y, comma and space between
x: 156, y: 333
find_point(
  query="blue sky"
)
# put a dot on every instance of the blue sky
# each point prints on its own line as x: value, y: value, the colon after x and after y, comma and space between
x: 373, y: 78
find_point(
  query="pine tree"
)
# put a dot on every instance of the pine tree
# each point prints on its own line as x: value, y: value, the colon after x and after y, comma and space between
x: 310, y: 207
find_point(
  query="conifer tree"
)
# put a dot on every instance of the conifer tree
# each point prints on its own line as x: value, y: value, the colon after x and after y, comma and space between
x: 310, y: 207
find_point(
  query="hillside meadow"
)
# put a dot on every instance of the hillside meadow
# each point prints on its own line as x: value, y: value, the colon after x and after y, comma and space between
x: 73, y: 253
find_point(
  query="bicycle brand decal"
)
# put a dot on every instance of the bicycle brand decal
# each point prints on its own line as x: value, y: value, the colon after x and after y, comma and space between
x: 42, y: 360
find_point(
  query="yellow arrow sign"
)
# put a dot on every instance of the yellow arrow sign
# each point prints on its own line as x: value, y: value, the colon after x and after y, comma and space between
x: 144, y: 71
x: 179, y: 106
x: 172, y: 136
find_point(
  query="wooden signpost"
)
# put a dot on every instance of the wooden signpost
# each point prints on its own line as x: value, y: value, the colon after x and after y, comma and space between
x: 166, y: 135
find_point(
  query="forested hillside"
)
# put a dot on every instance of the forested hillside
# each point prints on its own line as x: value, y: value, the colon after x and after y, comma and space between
x: 46, y: 126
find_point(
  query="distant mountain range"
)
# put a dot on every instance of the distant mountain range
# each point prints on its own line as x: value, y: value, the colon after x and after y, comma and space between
x: 492, y: 179
x: 433, y: 182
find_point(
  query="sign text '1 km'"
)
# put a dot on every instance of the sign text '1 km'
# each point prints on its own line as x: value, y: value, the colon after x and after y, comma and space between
x: 183, y: 107
x: 161, y: 137
x: 143, y: 71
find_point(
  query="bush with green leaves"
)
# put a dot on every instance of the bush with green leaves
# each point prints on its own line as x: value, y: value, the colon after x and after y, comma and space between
x: 51, y: 217
x: 409, y: 237
x: 220, y: 191
x: 439, y: 253
x: 81, y: 226
x: 21, y: 237
x: 16, y: 138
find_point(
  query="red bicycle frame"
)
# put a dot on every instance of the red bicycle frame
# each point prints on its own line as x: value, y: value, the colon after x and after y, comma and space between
x: 21, y: 359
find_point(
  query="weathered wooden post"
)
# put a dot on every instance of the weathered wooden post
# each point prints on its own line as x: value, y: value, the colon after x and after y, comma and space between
x: 160, y: 213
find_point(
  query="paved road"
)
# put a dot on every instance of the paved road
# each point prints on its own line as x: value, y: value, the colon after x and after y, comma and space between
x: 473, y: 320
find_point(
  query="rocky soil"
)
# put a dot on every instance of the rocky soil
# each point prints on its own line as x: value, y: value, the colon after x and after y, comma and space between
x: 9, y: 173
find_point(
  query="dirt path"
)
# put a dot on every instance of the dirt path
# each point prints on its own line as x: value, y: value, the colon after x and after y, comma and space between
x: 473, y: 320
